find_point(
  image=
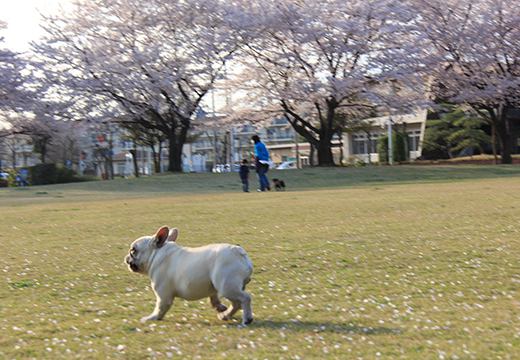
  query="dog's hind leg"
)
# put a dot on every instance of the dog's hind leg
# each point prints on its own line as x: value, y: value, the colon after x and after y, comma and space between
x: 216, y: 304
x: 232, y: 290
x: 228, y: 314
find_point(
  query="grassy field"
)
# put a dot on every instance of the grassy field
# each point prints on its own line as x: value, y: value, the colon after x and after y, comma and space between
x: 404, y: 262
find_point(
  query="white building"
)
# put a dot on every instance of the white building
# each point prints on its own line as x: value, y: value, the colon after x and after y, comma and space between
x: 362, y: 145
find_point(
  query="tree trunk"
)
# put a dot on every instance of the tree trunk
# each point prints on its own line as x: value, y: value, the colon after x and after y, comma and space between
x: 494, y: 142
x: 173, y: 160
x: 134, y: 161
x: 176, y: 142
x: 502, y: 125
x: 325, y: 157
x: 319, y: 137
x: 506, y: 137
x: 506, y: 141
x: 13, y: 157
x: 43, y: 152
x: 155, y: 158
x: 110, y: 157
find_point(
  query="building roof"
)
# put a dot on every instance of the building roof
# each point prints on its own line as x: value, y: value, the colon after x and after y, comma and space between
x: 417, y: 117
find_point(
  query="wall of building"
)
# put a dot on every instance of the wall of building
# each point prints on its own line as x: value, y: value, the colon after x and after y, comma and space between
x: 363, y: 145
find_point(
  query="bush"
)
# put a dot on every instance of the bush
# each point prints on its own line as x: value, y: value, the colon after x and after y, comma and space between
x: 354, y: 161
x: 11, y: 179
x: 65, y: 175
x: 399, y: 147
x: 43, y: 174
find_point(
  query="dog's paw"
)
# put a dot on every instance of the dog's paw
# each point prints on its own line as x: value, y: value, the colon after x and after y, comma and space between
x: 149, y: 318
x: 247, y: 321
x: 223, y: 316
x: 221, y: 308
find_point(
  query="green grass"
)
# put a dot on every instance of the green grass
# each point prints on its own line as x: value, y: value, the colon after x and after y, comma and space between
x: 404, y: 262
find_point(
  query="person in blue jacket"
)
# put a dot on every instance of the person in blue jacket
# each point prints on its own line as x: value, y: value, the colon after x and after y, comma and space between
x: 262, y: 163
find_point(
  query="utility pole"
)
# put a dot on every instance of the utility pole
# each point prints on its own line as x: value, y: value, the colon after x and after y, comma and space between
x: 390, y: 147
x: 214, y: 130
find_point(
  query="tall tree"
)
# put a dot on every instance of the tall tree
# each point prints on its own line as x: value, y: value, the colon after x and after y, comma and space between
x: 13, y: 94
x: 311, y: 60
x: 474, y: 51
x: 155, y: 59
x: 8, y: 73
x: 453, y: 129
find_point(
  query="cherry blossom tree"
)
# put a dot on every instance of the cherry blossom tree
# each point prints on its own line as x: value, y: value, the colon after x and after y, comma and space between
x: 156, y: 59
x: 474, y: 52
x: 12, y: 94
x: 313, y: 60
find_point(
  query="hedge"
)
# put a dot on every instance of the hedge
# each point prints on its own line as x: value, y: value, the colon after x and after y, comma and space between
x: 399, y: 147
x: 43, y: 174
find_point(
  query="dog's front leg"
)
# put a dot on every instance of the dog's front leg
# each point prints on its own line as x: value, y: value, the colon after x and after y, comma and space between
x: 162, y: 305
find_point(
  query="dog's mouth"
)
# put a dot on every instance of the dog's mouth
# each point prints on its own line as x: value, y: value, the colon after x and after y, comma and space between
x: 133, y: 266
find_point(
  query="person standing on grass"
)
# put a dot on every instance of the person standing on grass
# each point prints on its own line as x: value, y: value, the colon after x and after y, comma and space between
x: 244, y: 175
x: 262, y: 163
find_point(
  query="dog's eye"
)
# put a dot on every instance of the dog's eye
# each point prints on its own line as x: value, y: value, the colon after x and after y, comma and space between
x: 133, y: 251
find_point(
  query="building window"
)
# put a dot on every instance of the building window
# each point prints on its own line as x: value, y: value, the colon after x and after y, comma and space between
x: 359, y: 145
x: 373, y: 144
x: 280, y: 121
x: 362, y: 146
x: 413, y: 140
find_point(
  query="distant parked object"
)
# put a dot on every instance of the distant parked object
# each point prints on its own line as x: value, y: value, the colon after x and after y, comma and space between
x: 286, y: 165
x: 221, y: 168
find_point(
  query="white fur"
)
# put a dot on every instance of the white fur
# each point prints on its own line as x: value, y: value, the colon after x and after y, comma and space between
x: 218, y: 270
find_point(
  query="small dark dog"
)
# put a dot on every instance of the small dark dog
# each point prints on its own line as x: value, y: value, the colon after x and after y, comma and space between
x: 279, y: 184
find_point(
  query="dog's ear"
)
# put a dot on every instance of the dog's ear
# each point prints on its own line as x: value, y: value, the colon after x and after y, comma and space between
x: 161, y: 236
x: 173, y: 234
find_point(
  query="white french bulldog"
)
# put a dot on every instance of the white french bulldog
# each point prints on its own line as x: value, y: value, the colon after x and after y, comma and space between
x: 218, y: 270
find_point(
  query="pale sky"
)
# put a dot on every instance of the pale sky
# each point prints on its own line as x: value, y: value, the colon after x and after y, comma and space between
x: 22, y: 17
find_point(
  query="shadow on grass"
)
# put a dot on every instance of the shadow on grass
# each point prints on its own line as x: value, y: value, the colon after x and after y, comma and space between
x: 320, y: 327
